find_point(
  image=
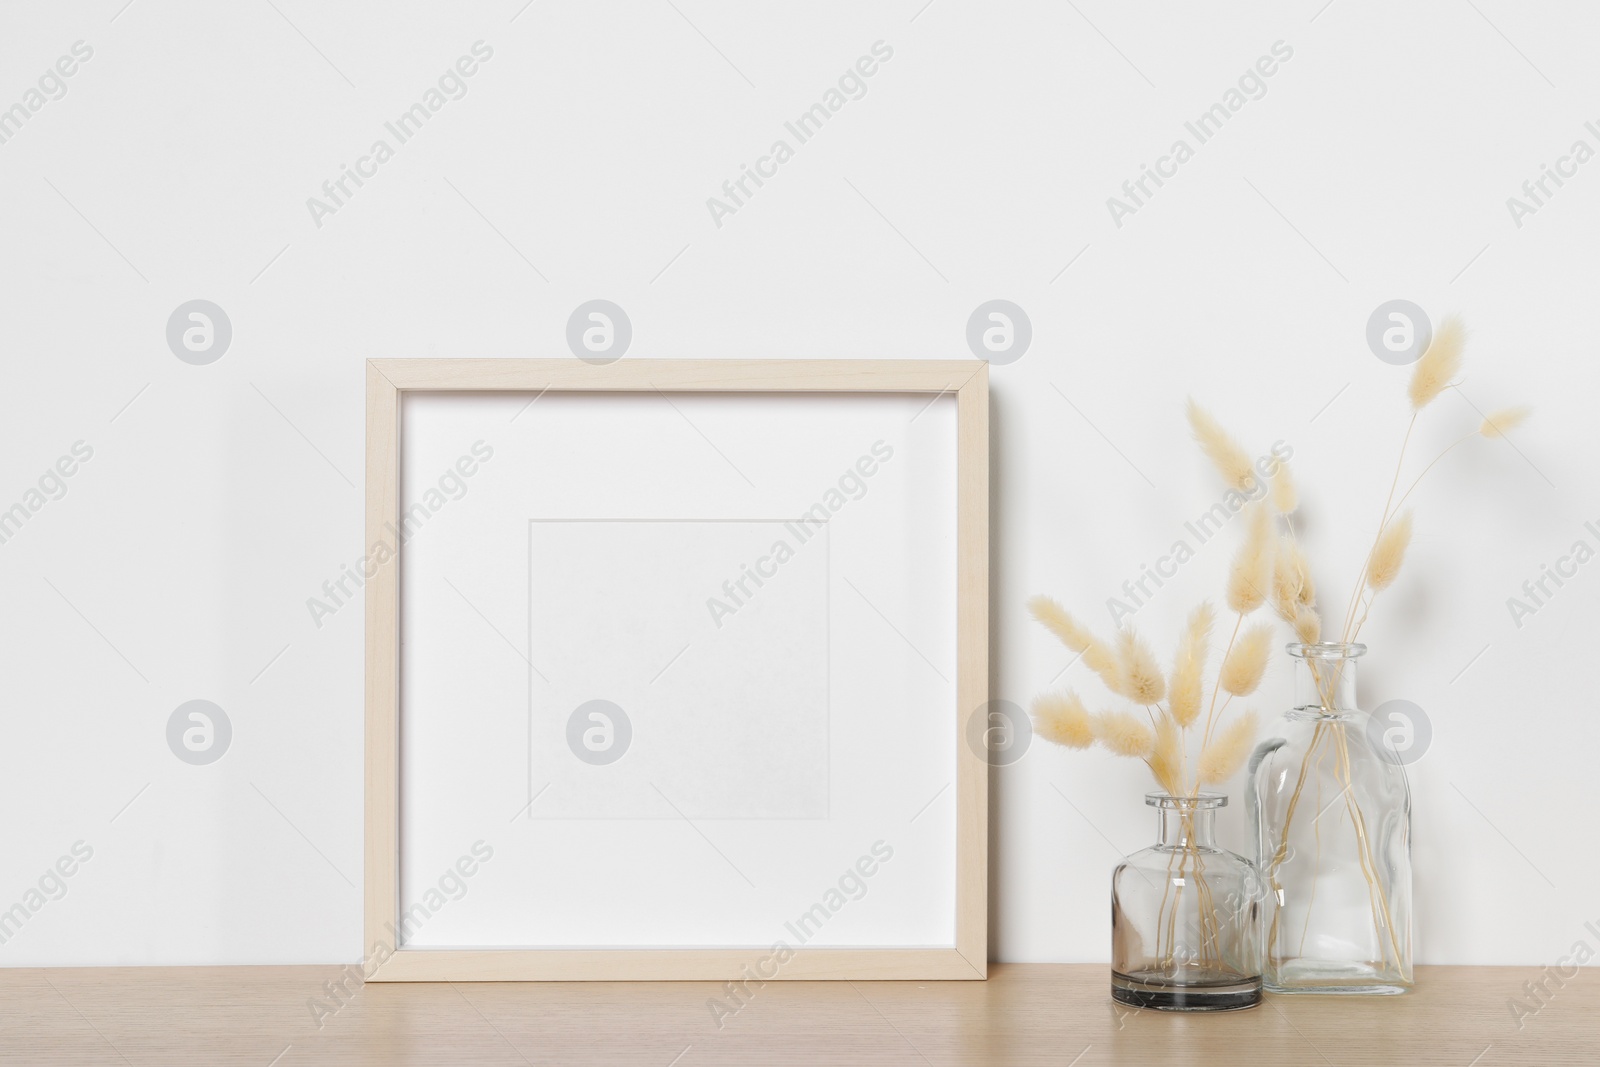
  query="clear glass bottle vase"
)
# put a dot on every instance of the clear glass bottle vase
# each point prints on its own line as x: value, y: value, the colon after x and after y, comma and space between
x: 1185, y: 916
x: 1331, y: 815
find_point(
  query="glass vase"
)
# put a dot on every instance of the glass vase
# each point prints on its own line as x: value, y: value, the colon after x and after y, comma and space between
x: 1185, y: 916
x: 1331, y: 817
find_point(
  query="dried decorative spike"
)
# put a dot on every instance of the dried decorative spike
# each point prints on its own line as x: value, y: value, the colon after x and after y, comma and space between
x: 1226, y: 752
x: 1285, y: 497
x: 1141, y: 678
x: 1246, y: 661
x: 1124, y: 733
x: 1062, y: 718
x: 1389, y: 553
x: 1231, y: 461
x: 1439, y: 365
x: 1251, y: 575
x: 1502, y: 421
x: 1097, y: 655
x: 1186, y: 689
x: 1166, y: 761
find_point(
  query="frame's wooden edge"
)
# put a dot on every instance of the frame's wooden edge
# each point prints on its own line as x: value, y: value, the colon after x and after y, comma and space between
x: 387, y: 379
x: 674, y: 965
x: 679, y: 375
x: 381, y: 816
x: 378, y: 365
x: 972, y: 674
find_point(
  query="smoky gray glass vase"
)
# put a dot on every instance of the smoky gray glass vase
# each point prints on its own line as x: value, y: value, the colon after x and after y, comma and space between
x: 1186, y: 916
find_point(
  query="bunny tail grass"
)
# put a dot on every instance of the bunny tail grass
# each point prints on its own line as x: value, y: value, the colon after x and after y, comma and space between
x: 1166, y: 760
x: 1226, y: 752
x: 1246, y: 662
x: 1187, y: 686
x: 1141, y: 678
x: 1439, y: 365
x: 1292, y: 587
x: 1231, y: 461
x: 1308, y: 625
x: 1062, y: 718
x: 1500, y: 422
x: 1285, y: 496
x: 1124, y: 733
x: 1097, y: 655
x: 1251, y: 574
x: 1389, y: 553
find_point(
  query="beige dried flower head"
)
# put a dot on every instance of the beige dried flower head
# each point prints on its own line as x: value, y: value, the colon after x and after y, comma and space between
x: 1140, y: 676
x: 1439, y: 365
x: 1231, y: 461
x: 1226, y: 752
x: 1302, y: 569
x: 1251, y: 575
x: 1389, y: 553
x: 1096, y: 654
x: 1246, y: 661
x: 1499, y: 423
x: 1285, y: 585
x: 1062, y: 718
x: 1188, y: 671
x: 1291, y: 579
x: 1285, y: 497
x: 1124, y: 733
x: 1308, y: 625
x: 1166, y: 760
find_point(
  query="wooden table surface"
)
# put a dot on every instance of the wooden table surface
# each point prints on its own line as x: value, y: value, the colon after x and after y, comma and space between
x: 1024, y: 1014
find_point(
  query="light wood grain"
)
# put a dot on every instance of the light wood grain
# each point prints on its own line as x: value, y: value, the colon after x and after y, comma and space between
x: 387, y: 382
x: 382, y: 844
x: 683, y: 375
x: 671, y: 965
x: 1024, y: 1015
x: 972, y: 667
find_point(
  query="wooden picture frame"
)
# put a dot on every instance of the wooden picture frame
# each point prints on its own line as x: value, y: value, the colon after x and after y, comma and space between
x: 387, y: 382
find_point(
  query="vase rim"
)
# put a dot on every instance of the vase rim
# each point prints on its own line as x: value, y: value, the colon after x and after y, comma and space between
x: 1325, y: 650
x: 1197, y: 802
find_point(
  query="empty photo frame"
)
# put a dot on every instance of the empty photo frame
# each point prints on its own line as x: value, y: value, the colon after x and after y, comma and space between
x: 671, y: 668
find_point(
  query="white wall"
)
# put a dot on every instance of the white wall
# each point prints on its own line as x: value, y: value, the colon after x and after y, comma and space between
x: 977, y: 166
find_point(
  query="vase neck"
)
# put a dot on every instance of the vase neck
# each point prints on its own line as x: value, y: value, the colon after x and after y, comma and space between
x: 1186, y: 826
x: 1325, y: 678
